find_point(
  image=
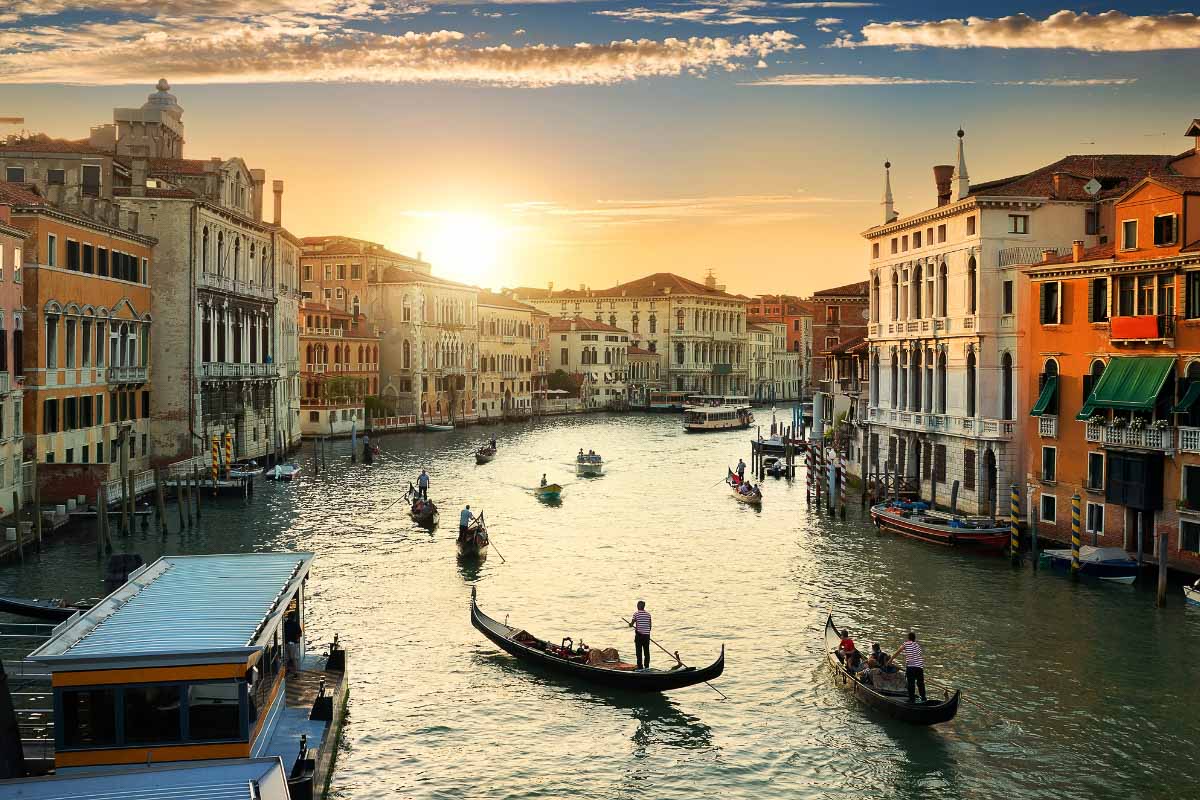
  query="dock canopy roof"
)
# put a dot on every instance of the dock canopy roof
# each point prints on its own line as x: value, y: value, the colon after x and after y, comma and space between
x: 1046, y: 397
x: 228, y: 779
x: 1131, y: 383
x: 182, y: 610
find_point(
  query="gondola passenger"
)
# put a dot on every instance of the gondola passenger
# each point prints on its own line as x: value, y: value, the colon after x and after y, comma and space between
x: 847, y: 645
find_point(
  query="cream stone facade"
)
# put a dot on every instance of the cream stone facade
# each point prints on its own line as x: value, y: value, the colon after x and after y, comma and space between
x: 598, y: 354
x: 505, y: 357
x: 787, y: 366
x: 761, y: 363
x: 287, y: 336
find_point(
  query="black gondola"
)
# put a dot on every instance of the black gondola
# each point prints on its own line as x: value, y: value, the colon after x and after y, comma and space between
x: 523, y: 646
x: 37, y: 608
x: 893, y: 703
x: 427, y: 515
x: 485, y: 454
x: 474, y: 540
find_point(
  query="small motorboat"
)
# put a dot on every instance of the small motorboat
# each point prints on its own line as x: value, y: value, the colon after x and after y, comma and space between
x: 282, y: 472
x: 424, y: 512
x: 890, y: 698
x: 589, y: 465
x: 917, y: 521
x: 1191, y: 594
x: 602, y: 666
x: 775, y: 466
x: 245, y: 469
x: 1105, y: 563
x: 551, y: 491
x: 37, y: 608
x: 744, y: 491
x: 429, y: 426
x: 485, y: 454
x: 474, y: 540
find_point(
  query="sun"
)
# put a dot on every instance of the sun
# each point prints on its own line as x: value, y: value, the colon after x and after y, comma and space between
x: 467, y: 246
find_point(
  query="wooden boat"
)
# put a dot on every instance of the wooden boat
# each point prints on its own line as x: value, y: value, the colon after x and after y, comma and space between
x: 1110, y: 564
x: 245, y: 469
x: 775, y: 466
x: 916, y: 521
x: 894, y: 703
x: 550, y: 491
x: 1191, y: 594
x: 485, y: 454
x: 427, y: 515
x: 429, y: 426
x: 474, y: 540
x: 37, y: 608
x: 754, y: 498
x: 589, y: 665
x: 282, y: 472
x: 697, y: 419
x: 589, y: 465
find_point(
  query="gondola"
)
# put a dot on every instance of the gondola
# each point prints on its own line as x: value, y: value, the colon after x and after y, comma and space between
x: 485, y: 454
x: 474, y: 540
x: 916, y: 521
x: 894, y: 703
x: 431, y: 426
x: 427, y: 516
x: 36, y: 608
x: 754, y: 498
x: 589, y: 666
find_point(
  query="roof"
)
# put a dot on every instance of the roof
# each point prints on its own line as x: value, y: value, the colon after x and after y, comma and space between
x: 180, y: 166
x: 187, y: 606
x: 348, y: 245
x: 858, y: 289
x: 151, y: 191
x: 40, y: 143
x: 228, y: 779
x: 487, y: 298
x: 20, y: 194
x: 583, y: 324
x: 751, y: 326
x: 1095, y: 253
x: 394, y: 274
x: 854, y: 345
x: 1116, y: 173
x: 660, y: 283
x: 638, y: 351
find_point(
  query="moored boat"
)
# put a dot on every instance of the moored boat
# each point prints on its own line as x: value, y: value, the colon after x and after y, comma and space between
x: 775, y: 466
x: 1105, y: 563
x: 485, y: 454
x: 603, y: 667
x: 39, y: 608
x: 777, y: 445
x: 917, y: 521
x: 891, y: 701
x: 1191, y: 594
x: 282, y: 472
x: 589, y: 465
x: 474, y: 540
x: 245, y: 469
x: 431, y: 426
x: 424, y: 512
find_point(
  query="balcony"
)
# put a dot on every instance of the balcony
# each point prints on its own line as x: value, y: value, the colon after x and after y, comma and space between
x: 1048, y: 426
x: 1189, y: 440
x: 224, y: 283
x: 975, y: 427
x: 213, y: 370
x: 722, y: 369
x: 1125, y: 436
x: 509, y: 374
x: 127, y: 374
x: 323, y: 333
x: 1148, y: 328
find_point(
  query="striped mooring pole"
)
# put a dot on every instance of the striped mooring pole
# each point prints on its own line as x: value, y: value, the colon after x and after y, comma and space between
x: 1014, y: 521
x: 1075, y: 535
x: 808, y: 469
x: 819, y: 458
x: 228, y: 453
x: 842, y: 485
x: 216, y: 460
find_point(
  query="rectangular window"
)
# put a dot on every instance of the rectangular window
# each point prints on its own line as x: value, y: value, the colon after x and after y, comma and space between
x: 563, y: 357
x: 145, y: 404
x: 308, y: 272
x: 50, y: 416
x: 941, y: 233
x: 1145, y: 295
x: 916, y: 240
x: 83, y: 455
x: 145, y: 271
x: 904, y: 244
x: 91, y: 180
x: 72, y: 255
x: 340, y: 293
x: 875, y: 250
x: 1049, y: 509
x: 329, y: 294
x: 1098, y: 300
x: 1095, y: 519
x: 56, y: 177
x: 1051, y: 303
x: 1191, y: 486
x: 1129, y: 234
x: 70, y: 455
x: 51, y: 250
x: 89, y: 259
x: 14, y: 174
x: 1189, y: 537
x: 214, y: 712
x: 831, y: 342
x: 939, y: 463
x: 102, y: 261
x: 52, y: 343
x: 329, y: 272
x: 1091, y: 222
x: 152, y: 714
x: 1018, y: 223
x: 70, y: 334
x: 1095, y: 473
x: 356, y: 272
x: 1049, y: 465
x: 1166, y: 227
x: 895, y: 245
x: 100, y: 449
x: 89, y: 718
x: 971, y: 225
x: 341, y: 272
x: 969, y: 470
x: 1126, y: 294
x: 1008, y: 297
x: 17, y: 265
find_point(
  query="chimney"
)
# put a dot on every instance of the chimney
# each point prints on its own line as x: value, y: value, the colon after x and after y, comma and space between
x: 943, y: 175
x: 277, y: 188
x: 137, y: 176
x: 1048, y: 255
x: 1077, y: 250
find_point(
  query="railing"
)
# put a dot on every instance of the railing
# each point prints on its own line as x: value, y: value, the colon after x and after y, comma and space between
x: 1149, y: 438
x: 944, y: 423
x: 969, y: 323
x: 453, y: 370
x: 912, y: 326
x: 873, y: 330
x: 1048, y: 426
x: 220, y: 369
x: 127, y: 374
x: 1026, y: 254
x: 335, y: 332
x: 1189, y: 440
x: 318, y: 368
x: 227, y: 284
x: 941, y: 324
x: 1164, y: 328
x: 1008, y: 322
x: 509, y: 374
x: 392, y: 423
x: 5, y: 382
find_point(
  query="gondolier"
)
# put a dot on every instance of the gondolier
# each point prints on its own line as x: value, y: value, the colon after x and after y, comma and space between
x: 423, y: 485
x: 465, y: 518
x: 640, y: 622
x: 914, y: 666
x: 741, y: 470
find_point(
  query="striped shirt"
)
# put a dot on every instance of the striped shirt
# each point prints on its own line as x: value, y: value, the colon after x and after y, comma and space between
x: 913, y: 657
x: 641, y: 622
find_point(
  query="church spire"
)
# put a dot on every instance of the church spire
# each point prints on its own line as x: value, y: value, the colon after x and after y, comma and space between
x: 961, y: 181
x: 889, y: 204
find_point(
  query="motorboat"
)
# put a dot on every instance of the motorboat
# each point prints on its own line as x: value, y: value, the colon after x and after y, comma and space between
x: 1111, y: 564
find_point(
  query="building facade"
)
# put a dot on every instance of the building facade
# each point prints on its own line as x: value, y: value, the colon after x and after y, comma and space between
x: 286, y: 248
x: 645, y: 375
x: 340, y: 357
x: 760, y: 363
x: 598, y: 355
x: 787, y: 364
x: 506, y: 366
x: 13, y: 244
x: 944, y: 323
x: 699, y: 329
x: 839, y: 315
x: 336, y: 270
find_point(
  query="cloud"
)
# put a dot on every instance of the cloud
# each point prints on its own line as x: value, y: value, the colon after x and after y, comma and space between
x: 1071, y: 82
x: 825, y: 24
x: 269, y: 52
x: 715, y: 209
x: 848, y: 80
x: 519, y: 32
x: 1110, y: 31
x: 703, y: 15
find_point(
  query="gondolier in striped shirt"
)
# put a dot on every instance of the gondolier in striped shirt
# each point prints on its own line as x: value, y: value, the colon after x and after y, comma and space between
x: 640, y: 622
x: 914, y: 666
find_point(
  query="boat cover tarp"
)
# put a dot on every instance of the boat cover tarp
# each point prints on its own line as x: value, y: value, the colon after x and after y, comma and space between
x: 1132, y: 383
x: 1094, y: 555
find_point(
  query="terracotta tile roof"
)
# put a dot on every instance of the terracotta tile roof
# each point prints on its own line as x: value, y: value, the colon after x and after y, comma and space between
x: 487, y: 298
x: 858, y: 289
x: 583, y: 324
x: 44, y: 144
x: 395, y: 274
x: 348, y: 245
x: 1116, y: 173
x: 178, y: 166
x: 1179, y: 183
x: 20, y: 194
x: 656, y: 285
x: 1096, y: 253
x: 845, y: 347
x: 638, y: 351
x: 123, y: 191
x: 753, y: 326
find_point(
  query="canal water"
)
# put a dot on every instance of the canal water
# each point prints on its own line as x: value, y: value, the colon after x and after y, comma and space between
x: 1070, y: 691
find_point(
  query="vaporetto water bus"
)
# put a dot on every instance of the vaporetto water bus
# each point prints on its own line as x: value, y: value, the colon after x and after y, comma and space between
x: 717, y: 417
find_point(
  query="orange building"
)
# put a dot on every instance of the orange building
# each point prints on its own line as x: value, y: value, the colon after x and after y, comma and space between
x: 1113, y: 344
x: 12, y: 307
x: 339, y: 369
x: 86, y: 340
x: 335, y: 270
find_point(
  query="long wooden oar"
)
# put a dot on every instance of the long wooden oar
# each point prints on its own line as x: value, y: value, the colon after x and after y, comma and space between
x: 678, y: 660
x: 492, y: 545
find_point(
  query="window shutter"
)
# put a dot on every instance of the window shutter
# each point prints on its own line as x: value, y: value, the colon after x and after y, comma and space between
x: 1092, y: 300
x: 1058, y: 302
x: 1043, y: 292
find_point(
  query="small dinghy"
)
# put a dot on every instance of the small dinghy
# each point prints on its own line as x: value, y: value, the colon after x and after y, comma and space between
x: 245, y: 469
x: 1191, y: 594
x: 1106, y: 563
x: 551, y: 491
x: 38, y: 608
x: 429, y: 426
x: 282, y: 472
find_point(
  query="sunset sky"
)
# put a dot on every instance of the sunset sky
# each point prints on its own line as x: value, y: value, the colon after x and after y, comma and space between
x: 594, y: 141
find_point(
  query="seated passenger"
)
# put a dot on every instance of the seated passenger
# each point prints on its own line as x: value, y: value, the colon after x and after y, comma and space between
x: 847, y: 645
x: 880, y: 660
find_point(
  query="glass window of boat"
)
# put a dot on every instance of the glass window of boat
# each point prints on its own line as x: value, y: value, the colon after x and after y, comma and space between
x: 89, y: 718
x: 152, y: 714
x: 214, y: 711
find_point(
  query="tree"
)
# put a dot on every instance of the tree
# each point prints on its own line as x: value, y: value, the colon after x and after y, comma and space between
x: 565, y: 382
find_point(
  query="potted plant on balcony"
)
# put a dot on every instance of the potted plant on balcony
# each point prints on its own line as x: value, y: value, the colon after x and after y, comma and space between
x: 1159, y: 425
x: 1137, y: 423
x: 1097, y: 419
x: 1117, y: 422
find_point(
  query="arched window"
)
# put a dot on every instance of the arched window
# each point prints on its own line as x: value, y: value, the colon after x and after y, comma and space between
x: 917, y: 285
x: 915, y: 381
x: 220, y: 252
x: 941, y: 381
x: 1006, y: 388
x: 873, y: 385
x: 612, y: 320
x: 252, y: 259
x: 653, y: 324
x: 875, y: 299
x: 927, y: 406
x: 972, y: 280
x: 679, y: 352
x: 895, y: 296
x: 904, y: 381
x: 1049, y: 370
x: 971, y: 384
x: 635, y: 322
x: 941, y: 290
x: 237, y: 258
x: 895, y: 380
x: 204, y: 250
x: 356, y: 307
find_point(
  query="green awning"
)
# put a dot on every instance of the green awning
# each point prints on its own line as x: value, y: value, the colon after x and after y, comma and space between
x: 1086, y: 412
x: 1046, y: 397
x: 1189, y: 398
x: 1132, y: 383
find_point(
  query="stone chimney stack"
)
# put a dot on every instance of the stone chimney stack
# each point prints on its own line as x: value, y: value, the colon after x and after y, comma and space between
x: 277, y: 188
x: 943, y: 174
x: 889, y: 204
x: 259, y: 178
x: 1048, y: 255
x: 138, y: 167
x: 1077, y: 250
x: 961, y: 181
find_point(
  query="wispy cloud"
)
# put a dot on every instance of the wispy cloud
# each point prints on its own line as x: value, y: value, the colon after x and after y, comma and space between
x: 1070, y: 82
x: 1111, y: 31
x: 270, y: 52
x: 703, y: 15
x: 825, y: 24
x: 835, y: 79
x: 716, y: 209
